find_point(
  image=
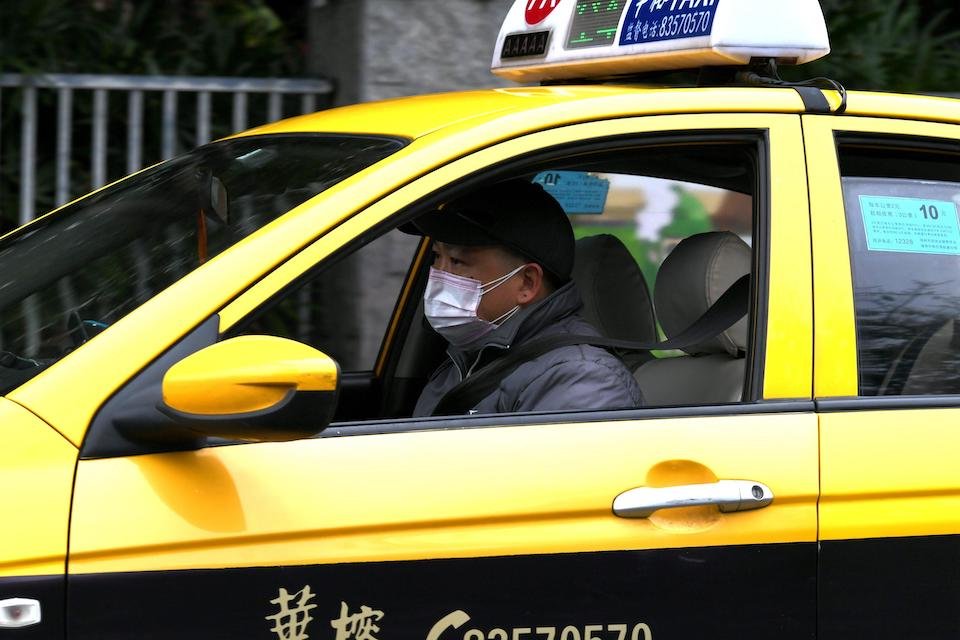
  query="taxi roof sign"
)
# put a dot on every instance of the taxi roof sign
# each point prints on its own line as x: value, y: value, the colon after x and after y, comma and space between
x: 562, y: 39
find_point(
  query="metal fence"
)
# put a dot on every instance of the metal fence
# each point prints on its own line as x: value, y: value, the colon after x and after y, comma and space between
x: 181, y: 100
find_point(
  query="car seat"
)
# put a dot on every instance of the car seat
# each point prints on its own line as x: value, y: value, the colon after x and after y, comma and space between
x: 616, y: 299
x: 695, y: 274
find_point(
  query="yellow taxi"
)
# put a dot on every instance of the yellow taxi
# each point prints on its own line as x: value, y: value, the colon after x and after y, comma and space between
x: 208, y: 368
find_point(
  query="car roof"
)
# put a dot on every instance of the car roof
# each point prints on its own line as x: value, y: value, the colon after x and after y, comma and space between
x: 550, y: 106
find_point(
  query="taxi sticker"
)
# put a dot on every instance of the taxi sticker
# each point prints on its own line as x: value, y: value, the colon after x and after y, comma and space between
x: 910, y: 225
x: 577, y: 192
x: 657, y: 20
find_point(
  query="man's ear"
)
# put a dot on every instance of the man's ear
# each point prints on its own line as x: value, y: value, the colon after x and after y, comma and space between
x: 532, y: 285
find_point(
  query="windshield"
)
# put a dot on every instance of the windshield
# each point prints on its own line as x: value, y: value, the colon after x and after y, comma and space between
x: 73, y: 273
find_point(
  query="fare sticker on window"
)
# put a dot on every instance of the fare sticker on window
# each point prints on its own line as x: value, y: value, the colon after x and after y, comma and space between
x: 911, y: 225
x: 577, y: 192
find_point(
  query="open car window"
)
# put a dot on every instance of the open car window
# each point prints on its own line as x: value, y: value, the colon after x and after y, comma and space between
x: 649, y: 215
x: 645, y: 199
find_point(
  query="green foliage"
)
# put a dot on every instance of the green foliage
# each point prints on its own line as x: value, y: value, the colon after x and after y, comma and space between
x: 190, y: 37
x: 689, y: 216
x: 900, y: 45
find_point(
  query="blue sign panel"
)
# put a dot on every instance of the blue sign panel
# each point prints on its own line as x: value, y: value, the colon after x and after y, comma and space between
x: 656, y: 20
x: 577, y: 192
x: 911, y: 225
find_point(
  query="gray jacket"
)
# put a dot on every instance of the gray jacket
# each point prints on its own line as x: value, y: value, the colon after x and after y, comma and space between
x: 577, y: 377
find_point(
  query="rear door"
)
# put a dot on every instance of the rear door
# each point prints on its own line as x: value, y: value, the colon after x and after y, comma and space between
x: 497, y: 527
x: 884, y: 198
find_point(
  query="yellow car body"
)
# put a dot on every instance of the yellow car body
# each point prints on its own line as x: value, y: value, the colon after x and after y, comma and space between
x: 501, y: 526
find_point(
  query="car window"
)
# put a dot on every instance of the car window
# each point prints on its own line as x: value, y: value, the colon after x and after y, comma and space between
x: 344, y: 308
x: 637, y: 204
x: 649, y: 215
x: 72, y: 274
x: 651, y: 201
x: 641, y: 202
x: 904, y: 237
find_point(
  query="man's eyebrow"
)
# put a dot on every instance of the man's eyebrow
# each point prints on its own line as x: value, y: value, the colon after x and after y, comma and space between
x: 457, y: 251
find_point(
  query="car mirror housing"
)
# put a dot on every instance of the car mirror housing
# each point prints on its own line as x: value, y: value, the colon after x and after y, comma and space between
x: 252, y: 388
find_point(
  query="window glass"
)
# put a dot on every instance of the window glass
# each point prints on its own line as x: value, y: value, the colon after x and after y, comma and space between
x: 73, y: 273
x: 651, y: 199
x: 344, y: 309
x: 904, y: 237
x: 651, y: 215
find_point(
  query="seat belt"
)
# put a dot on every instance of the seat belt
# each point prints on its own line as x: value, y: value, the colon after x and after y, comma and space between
x: 723, y: 314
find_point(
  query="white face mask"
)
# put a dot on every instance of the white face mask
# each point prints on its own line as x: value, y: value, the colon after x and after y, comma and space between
x: 450, y: 303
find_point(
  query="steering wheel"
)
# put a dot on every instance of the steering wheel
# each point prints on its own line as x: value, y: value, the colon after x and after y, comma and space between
x: 80, y: 330
x: 15, y: 370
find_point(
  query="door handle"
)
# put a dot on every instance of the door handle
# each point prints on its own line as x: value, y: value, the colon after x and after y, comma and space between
x: 16, y: 613
x: 728, y: 495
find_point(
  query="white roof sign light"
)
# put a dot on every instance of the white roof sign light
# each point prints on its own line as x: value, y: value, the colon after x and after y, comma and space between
x: 557, y: 39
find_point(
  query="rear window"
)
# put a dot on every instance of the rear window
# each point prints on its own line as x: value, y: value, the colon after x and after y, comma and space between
x: 904, y: 236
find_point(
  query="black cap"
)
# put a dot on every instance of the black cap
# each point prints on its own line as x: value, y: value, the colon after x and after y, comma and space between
x: 515, y: 214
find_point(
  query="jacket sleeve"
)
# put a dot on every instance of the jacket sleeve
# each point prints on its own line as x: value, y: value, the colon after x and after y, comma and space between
x: 576, y: 385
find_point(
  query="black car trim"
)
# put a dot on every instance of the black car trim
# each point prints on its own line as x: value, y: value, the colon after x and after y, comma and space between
x: 404, y: 425
x: 881, y: 403
x: 604, y: 595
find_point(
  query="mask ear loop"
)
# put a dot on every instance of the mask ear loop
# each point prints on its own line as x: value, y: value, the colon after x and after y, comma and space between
x: 509, y: 314
x: 496, y: 282
x: 484, y: 289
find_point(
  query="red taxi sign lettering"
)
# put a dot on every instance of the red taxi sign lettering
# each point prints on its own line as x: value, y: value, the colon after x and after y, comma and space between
x: 538, y: 10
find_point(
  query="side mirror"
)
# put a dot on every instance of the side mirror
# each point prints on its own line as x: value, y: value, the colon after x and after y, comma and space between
x: 257, y: 388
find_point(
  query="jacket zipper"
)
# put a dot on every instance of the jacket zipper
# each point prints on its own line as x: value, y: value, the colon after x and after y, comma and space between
x: 480, y: 355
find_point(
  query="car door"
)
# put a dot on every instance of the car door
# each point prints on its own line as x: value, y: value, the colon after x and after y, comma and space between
x: 884, y: 195
x: 36, y: 473
x: 484, y: 526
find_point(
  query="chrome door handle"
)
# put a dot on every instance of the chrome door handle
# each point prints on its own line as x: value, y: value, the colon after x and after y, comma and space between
x: 16, y: 613
x: 728, y: 495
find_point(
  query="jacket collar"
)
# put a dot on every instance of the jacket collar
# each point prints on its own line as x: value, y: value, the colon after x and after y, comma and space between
x: 528, y: 322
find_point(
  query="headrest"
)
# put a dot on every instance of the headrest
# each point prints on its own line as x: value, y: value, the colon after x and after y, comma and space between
x: 697, y: 272
x: 616, y: 299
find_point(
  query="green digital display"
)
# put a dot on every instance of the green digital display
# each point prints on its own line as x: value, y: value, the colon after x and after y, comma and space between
x: 595, y: 23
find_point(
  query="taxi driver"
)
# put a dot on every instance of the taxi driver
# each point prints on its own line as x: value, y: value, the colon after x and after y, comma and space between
x: 503, y: 256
